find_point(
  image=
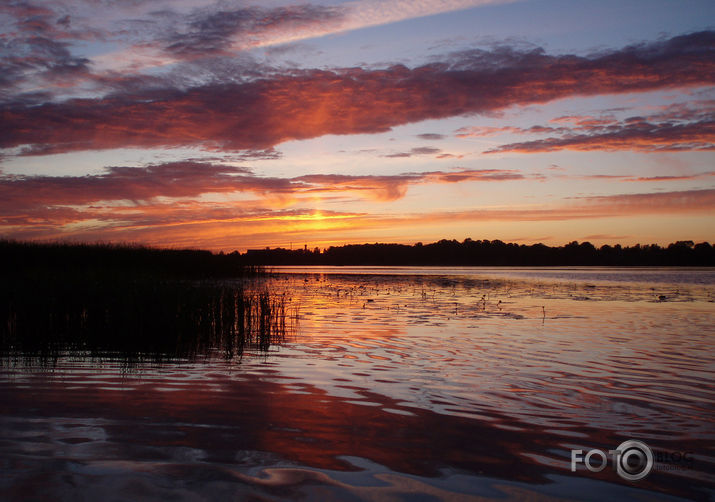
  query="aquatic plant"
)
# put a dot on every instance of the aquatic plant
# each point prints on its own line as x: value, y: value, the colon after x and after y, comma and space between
x: 137, y: 318
x: 108, y: 300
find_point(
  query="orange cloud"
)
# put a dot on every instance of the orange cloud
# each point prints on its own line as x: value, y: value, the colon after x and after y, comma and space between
x: 225, y: 225
x: 478, y: 132
x: 681, y: 202
x: 676, y: 129
x: 672, y: 178
x: 24, y: 198
x: 304, y: 104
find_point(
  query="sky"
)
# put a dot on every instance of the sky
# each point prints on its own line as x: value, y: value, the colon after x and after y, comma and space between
x: 231, y: 125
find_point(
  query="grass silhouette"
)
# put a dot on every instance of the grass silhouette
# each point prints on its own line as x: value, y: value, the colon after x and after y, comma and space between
x: 132, y: 301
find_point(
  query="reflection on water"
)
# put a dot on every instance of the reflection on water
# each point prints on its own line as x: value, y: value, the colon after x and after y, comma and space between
x: 394, y: 387
x: 668, y: 275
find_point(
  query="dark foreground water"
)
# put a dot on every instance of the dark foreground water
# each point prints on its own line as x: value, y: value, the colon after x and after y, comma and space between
x: 397, y: 384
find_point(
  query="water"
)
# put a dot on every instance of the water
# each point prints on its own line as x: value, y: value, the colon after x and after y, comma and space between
x: 398, y: 384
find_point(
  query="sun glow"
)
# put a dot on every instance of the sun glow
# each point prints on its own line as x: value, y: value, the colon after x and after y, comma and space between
x: 219, y: 134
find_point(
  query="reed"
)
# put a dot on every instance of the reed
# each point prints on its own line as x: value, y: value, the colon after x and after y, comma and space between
x: 128, y: 307
x: 138, y: 318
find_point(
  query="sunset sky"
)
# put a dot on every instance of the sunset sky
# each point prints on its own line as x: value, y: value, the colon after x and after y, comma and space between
x: 235, y: 124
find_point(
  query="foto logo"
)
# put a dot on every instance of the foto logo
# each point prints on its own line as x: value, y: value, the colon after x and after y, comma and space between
x: 632, y: 460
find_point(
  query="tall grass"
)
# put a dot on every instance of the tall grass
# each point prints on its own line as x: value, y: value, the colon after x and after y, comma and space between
x: 137, y: 318
x: 130, y: 305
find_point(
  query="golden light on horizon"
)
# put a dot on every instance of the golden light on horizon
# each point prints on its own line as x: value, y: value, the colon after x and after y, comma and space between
x: 385, y: 140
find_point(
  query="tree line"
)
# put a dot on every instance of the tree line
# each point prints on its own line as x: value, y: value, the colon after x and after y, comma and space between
x: 21, y: 257
x: 490, y: 253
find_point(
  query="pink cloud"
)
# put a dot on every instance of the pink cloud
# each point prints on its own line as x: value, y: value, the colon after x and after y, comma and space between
x: 304, y: 104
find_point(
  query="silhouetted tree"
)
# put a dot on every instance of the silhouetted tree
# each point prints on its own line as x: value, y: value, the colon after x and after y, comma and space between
x: 491, y: 253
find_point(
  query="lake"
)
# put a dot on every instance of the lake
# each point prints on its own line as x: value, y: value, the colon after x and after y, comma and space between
x: 394, y: 383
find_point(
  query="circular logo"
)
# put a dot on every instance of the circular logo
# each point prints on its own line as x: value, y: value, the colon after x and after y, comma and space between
x: 635, y: 460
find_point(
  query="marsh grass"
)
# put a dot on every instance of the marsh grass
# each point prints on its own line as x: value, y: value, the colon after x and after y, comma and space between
x: 138, y: 318
x: 130, y: 308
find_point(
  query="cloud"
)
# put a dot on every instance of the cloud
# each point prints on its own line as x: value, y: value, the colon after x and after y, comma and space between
x: 584, y: 121
x: 182, y: 224
x: 482, y: 131
x: 393, y: 187
x: 686, y: 201
x: 629, y: 178
x: 35, y: 50
x: 223, y: 226
x: 37, y: 58
x: 422, y: 150
x: 622, y: 205
x: 472, y: 175
x: 177, y: 179
x: 217, y: 31
x: 138, y: 189
x: 684, y: 177
x: 431, y: 136
x: 166, y: 203
x: 382, y: 188
x: 244, y: 155
x: 603, y: 237
x: 639, y: 136
x: 303, y: 104
x: 150, y: 35
x: 677, y: 128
